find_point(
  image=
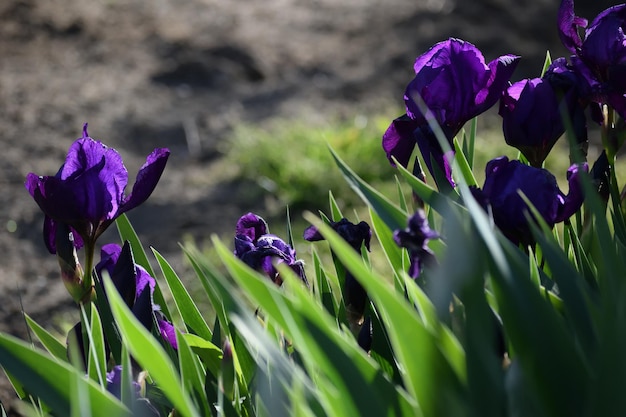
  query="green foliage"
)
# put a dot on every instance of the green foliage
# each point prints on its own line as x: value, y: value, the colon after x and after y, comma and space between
x: 287, y: 161
x: 492, y: 329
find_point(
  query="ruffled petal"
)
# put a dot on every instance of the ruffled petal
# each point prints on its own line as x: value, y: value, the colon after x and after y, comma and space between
x: 568, y: 24
x: 252, y: 226
x: 147, y: 179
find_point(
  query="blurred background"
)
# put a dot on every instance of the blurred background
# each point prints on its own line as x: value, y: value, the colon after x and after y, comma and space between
x: 246, y: 95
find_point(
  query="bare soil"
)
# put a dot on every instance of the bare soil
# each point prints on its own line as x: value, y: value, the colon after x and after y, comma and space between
x: 182, y: 74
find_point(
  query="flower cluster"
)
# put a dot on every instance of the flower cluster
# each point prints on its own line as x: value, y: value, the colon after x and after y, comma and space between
x: 453, y: 84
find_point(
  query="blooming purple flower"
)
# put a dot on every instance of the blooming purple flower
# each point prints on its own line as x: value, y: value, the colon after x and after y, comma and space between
x: 415, y: 239
x: 261, y: 250
x: 600, y: 55
x: 505, y: 179
x: 88, y: 192
x: 455, y: 84
x: 357, y: 235
x: 136, y: 287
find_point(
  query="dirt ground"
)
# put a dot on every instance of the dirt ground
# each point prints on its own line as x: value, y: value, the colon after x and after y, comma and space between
x: 182, y: 74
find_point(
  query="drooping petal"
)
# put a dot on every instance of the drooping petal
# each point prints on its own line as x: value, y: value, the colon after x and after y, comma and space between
x: 168, y: 332
x: 574, y: 199
x: 605, y: 41
x: 399, y: 140
x: 252, y: 226
x: 147, y: 179
x: 501, y: 69
x: 568, y: 24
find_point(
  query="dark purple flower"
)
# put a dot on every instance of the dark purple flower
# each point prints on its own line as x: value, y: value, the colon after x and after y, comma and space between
x: 262, y: 251
x: 505, y: 179
x: 600, y: 55
x: 455, y: 84
x: 531, y: 116
x: 415, y: 239
x: 88, y: 192
x: 357, y: 235
x: 136, y: 287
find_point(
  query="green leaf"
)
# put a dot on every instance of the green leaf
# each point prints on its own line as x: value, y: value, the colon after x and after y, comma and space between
x: 184, y: 303
x: 148, y: 352
x: 51, y: 380
x: 393, y: 216
x: 427, y: 375
x: 546, y: 63
x: 321, y: 346
x: 51, y: 343
x: 335, y: 211
x: 210, y: 354
x: 191, y: 373
x: 465, y: 168
x: 392, y: 251
x: 96, y: 359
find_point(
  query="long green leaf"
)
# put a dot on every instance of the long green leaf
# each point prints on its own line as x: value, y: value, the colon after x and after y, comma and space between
x: 52, y: 345
x: 51, y: 380
x: 185, y: 304
x: 314, y: 333
x: 393, y: 216
x: 427, y: 374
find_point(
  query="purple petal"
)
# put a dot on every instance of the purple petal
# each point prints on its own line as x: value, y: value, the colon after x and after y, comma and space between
x: 143, y: 281
x: 243, y: 245
x: 574, y: 200
x: 87, y: 155
x: 168, y: 332
x: 252, y: 226
x: 311, y: 234
x: 568, y: 24
x: 501, y: 71
x: 399, y: 140
x: 147, y: 179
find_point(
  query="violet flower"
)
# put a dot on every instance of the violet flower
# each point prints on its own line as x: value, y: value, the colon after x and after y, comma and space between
x: 262, y: 251
x: 136, y: 287
x: 88, y: 192
x: 600, y: 55
x: 531, y: 115
x: 505, y: 179
x: 415, y: 239
x: 357, y: 235
x: 455, y: 84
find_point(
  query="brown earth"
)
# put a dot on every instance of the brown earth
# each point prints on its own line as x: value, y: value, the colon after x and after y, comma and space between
x: 181, y: 74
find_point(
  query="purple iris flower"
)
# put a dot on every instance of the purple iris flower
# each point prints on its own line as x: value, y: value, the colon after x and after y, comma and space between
x: 505, y: 179
x: 136, y: 287
x: 261, y: 250
x: 357, y: 235
x: 415, y: 239
x: 88, y: 192
x: 599, y: 56
x: 455, y: 84
x: 531, y: 114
